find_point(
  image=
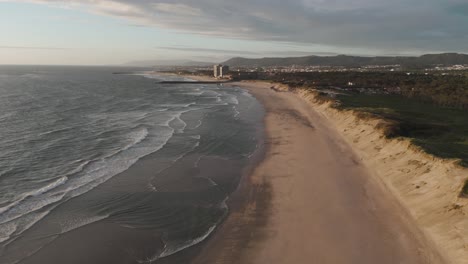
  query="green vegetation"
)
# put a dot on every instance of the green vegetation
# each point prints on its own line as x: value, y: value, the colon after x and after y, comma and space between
x: 450, y: 90
x: 441, y: 131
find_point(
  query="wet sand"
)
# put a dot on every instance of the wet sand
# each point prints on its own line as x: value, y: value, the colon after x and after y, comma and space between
x: 312, y: 200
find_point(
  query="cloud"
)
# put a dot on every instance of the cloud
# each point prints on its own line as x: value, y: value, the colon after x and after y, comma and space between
x: 225, y: 53
x: 176, y: 9
x: 208, y: 50
x: 395, y: 26
x: 31, y: 48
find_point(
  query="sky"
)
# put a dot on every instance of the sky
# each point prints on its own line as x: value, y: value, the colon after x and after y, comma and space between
x: 105, y: 32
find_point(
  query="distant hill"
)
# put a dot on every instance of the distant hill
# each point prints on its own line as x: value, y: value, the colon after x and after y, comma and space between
x: 353, y: 61
x: 151, y: 63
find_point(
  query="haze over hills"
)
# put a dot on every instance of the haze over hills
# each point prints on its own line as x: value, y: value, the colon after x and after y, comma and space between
x: 151, y: 63
x: 427, y: 60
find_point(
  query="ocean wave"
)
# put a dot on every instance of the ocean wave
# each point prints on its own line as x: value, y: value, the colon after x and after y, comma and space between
x: 3, y: 117
x: 177, y: 123
x: 89, y: 175
x: 123, y: 116
x: 178, y: 105
x: 210, y: 93
x: 209, y: 180
x: 190, y: 93
x: 29, y: 204
x: 20, y: 225
x: 151, y: 186
x: 232, y: 99
x: 33, y: 193
x: 236, y: 112
x: 162, y: 109
x: 58, y: 130
x: 6, y: 231
x: 195, y: 137
x: 32, y: 75
x: 136, y: 137
x: 200, y: 122
x: 246, y: 93
x: 171, y: 248
x: 76, y: 222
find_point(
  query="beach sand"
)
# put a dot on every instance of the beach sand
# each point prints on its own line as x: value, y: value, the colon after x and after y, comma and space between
x: 313, y: 200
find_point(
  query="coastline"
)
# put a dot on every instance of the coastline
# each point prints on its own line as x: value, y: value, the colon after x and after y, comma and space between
x: 313, y: 197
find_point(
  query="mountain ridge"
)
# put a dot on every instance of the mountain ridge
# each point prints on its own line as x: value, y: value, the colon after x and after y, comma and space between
x: 154, y: 63
x: 426, y: 60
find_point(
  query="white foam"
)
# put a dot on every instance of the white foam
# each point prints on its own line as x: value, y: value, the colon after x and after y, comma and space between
x: 11, y: 230
x: 119, y: 116
x: 29, y: 204
x: 211, y: 93
x: 236, y: 113
x: 197, y: 162
x: 151, y: 187
x: 24, y: 223
x: 246, y: 93
x: 178, y: 124
x: 232, y: 99
x: 6, y: 230
x: 172, y: 249
x: 136, y: 137
x: 54, y: 131
x: 79, y: 168
x: 36, y: 192
x: 212, y: 183
x: 198, y: 125
x: 185, y: 153
x: 76, y: 222
x: 32, y: 75
x: 178, y: 105
x: 191, y: 93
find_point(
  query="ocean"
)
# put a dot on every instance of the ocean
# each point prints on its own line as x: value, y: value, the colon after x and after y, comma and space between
x: 97, y: 167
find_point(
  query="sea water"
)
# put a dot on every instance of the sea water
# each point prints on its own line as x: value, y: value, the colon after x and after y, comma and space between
x: 69, y: 137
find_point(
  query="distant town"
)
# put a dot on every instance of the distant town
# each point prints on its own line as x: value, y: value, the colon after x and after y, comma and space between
x: 422, y: 83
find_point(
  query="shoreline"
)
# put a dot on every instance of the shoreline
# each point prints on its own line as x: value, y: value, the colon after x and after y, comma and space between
x: 272, y: 223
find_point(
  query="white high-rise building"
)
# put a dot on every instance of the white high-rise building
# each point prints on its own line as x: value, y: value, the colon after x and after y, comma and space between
x: 224, y: 70
x: 220, y: 70
x: 217, y: 70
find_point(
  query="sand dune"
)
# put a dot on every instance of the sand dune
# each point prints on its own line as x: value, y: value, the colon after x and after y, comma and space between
x: 428, y: 187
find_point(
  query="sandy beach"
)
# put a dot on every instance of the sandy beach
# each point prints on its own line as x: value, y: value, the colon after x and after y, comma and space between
x: 313, y: 200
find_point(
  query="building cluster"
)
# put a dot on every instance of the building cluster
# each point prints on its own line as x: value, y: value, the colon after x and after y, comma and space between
x: 449, y: 68
x: 220, y: 71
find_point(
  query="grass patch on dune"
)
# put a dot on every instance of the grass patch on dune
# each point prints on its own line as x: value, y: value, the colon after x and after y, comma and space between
x: 440, y: 131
